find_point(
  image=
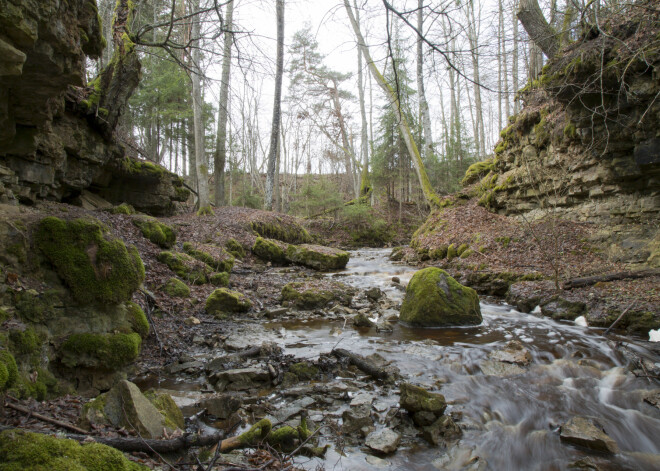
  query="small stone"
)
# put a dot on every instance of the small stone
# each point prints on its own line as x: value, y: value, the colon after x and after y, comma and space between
x: 374, y: 294
x: 361, y: 320
x: 380, y: 406
x: 441, y: 430
x: 415, y: 399
x: 363, y: 399
x: 396, y: 279
x: 192, y: 320
x: 383, y: 441
x: 584, y: 432
x: 377, y: 462
x: 514, y: 352
x: 424, y: 418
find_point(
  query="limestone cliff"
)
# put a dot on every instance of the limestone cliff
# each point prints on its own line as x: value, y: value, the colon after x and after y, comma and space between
x: 586, y: 145
x: 56, y: 131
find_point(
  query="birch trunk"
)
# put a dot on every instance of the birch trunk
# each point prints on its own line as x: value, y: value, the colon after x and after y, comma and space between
x: 427, y: 150
x: 365, y: 184
x: 277, y: 114
x: 220, y: 156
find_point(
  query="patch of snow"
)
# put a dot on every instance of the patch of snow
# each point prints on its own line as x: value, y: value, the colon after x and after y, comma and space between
x: 581, y: 321
x: 654, y: 335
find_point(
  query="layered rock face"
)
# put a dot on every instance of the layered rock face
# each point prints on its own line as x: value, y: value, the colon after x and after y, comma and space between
x: 587, y: 144
x: 56, y: 133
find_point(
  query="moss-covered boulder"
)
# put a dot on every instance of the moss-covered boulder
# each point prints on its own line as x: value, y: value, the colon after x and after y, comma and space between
x: 137, y: 319
x: 28, y: 451
x: 270, y: 250
x: 186, y: 267
x: 123, y: 208
x: 93, y: 264
x: 435, y: 299
x: 219, y: 279
x: 109, y: 351
x: 304, y: 370
x: 160, y: 234
x: 215, y: 257
x: 311, y: 295
x: 317, y: 257
x: 176, y: 288
x: 235, y: 248
x: 415, y: 399
x: 284, y: 229
x: 223, y: 300
x: 8, y: 370
x: 151, y: 415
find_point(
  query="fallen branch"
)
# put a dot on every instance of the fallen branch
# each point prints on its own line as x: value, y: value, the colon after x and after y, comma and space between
x: 619, y: 318
x: 592, y: 280
x: 150, y: 304
x: 362, y: 364
x: 44, y: 418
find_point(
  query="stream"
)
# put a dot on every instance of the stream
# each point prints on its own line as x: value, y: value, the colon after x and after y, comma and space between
x: 509, y: 422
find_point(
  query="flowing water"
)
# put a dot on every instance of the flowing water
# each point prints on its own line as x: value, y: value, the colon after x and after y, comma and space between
x: 510, y: 422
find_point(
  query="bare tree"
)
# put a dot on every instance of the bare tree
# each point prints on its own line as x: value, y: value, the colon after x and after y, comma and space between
x: 277, y: 113
x: 423, y: 104
x: 540, y: 32
x: 365, y: 184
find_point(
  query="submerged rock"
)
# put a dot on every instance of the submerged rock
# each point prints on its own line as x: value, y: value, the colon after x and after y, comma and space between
x: 584, y: 432
x: 500, y: 368
x: 435, y: 299
x: 317, y: 257
x: 514, y: 352
x: 383, y: 441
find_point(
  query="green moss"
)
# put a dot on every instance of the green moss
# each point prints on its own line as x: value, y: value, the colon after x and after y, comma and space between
x: 186, y: 267
x: 36, y: 307
x: 570, y: 131
x: 304, y: 370
x: 4, y: 376
x: 299, y: 295
x: 40, y: 384
x: 283, y: 439
x: 144, y: 168
x: 467, y: 253
x: 433, y: 298
x: 462, y: 248
x: 451, y: 252
x: 205, y: 211
x: 24, y: 342
x: 176, y: 288
x: 223, y: 262
x: 477, y: 170
x: 234, y: 248
x: 168, y: 408
x: 157, y: 232
x: 223, y: 300
x: 317, y: 257
x: 540, y: 131
x: 281, y: 230
x: 109, y: 350
x: 438, y: 253
x: 26, y: 451
x: 8, y: 363
x: 504, y: 241
x: 256, y: 434
x: 219, y: 279
x: 123, y: 208
x: 93, y: 264
x: 138, y: 319
x: 269, y: 250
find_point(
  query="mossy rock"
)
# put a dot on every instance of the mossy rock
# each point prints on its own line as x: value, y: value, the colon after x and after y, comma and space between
x: 167, y: 408
x: 219, y: 279
x: 304, y: 370
x: 8, y: 370
x: 110, y: 351
x: 234, y: 248
x: 270, y: 250
x: 223, y: 300
x: 438, y: 253
x: 32, y: 306
x: 26, y: 451
x: 123, y: 208
x: 435, y: 299
x: 160, y: 234
x: 94, y: 265
x: 176, y: 288
x: 137, y: 319
x: 461, y: 248
x: 397, y: 254
x: 45, y: 386
x: 186, y: 267
x: 215, y: 257
x: 282, y: 230
x: 467, y: 253
x: 415, y: 399
x: 477, y: 170
x: 305, y: 295
x: 317, y: 257
x: 24, y: 342
x: 451, y: 252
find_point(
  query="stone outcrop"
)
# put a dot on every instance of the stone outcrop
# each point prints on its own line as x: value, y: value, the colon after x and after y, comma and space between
x: 56, y: 131
x: 586, y: 145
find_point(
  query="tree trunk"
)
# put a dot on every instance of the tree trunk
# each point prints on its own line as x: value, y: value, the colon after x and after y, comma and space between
x: 365, y: 184
x: 540, y: 32
x: 220, y: 156
x: 423, y: 104
x: 479, y: 118
x: 514, y: 65
x: 201, y: 164
x: 277, y: 114
x: 404, y: 128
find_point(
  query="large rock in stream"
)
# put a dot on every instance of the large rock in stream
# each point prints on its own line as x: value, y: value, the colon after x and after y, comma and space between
x: 584, y: 432
x: 435, y: 299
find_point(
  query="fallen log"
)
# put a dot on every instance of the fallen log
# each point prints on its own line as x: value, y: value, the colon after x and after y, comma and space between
x: 363, y: 364
x: 623, y: 275
x: 44, y: 418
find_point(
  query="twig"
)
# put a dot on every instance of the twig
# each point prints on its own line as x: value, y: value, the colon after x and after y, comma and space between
x: 150, y: 301
x: 619, y: 318
x: 43, y: 418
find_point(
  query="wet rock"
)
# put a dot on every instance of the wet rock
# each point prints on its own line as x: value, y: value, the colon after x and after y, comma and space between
x: 383, y: 441
x: 317, y: 257
x: 424, y: 418
x: 561, y: 308
x: 308, y: 295
x: 653, y: 398
x: 584, y: 432
x: 380, y: 406
x: 276, y: 313
x: 500, y: 368
x: 240, y: 379
x: 396, y: 279
x: 222, y: 406
x: 441, y: 430
x: 435, y: 299
x: 514, y: 352
x: 357, y: 420
x: 304, y: 370
x: 362, y: 400
x: 377, y: 462
x: 361, y: 320
x: 374, y: 294
x: 525, y: 295
x: 462, y: 459
x: 188, y: 367
x: 415, y: 399
x: 285, y: 413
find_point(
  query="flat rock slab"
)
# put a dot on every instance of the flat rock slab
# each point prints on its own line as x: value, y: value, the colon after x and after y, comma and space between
x: 285, y: 413
x: 500, y: 368
x: 514, y: 352
x: 222, y: 406
x: 584, y: 432
x: 362, y: 399
x: 241, y: 379
x: 383, y: 441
